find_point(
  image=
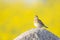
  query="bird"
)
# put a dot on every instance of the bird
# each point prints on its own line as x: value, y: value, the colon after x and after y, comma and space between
x: 38, y: 23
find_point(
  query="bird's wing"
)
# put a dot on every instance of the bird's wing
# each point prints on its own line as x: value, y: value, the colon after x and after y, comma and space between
x: 40, y: 22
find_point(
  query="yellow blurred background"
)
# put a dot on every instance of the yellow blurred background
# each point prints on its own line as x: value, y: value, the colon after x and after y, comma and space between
x: 16, y: 16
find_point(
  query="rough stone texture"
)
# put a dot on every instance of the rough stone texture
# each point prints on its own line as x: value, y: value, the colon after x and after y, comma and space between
x: 37, y: 34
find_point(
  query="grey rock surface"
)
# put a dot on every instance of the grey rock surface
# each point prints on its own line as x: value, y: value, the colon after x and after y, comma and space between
x: 37, y: 34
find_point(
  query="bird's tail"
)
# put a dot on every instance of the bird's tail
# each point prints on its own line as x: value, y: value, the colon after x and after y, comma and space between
x: 45, y: 26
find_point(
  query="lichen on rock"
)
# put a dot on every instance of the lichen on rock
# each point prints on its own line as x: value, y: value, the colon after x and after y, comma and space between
x: 37, y: 34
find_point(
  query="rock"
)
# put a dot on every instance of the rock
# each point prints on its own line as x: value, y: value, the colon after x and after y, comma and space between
x: 37, y: 34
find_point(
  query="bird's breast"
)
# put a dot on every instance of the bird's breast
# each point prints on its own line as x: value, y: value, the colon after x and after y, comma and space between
x: 36, y: 24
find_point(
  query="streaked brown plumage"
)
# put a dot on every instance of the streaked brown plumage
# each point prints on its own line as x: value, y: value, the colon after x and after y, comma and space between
x: 38, y: 22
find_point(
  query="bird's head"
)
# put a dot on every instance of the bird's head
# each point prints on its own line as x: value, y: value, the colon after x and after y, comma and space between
x: 36, y: 17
